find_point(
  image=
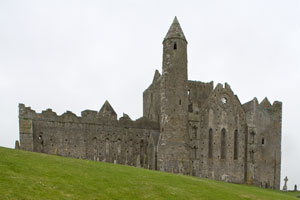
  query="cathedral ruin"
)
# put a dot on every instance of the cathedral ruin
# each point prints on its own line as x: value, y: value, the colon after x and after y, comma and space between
x: 188, y: 127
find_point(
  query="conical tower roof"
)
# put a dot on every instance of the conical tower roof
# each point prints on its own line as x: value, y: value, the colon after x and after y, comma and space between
x: 175, y: 31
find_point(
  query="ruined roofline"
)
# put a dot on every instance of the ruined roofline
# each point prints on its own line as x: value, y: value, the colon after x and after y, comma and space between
x: 193, y: 82
x: 156, y: 80
x: 265, y: 104
x: 87, y: 117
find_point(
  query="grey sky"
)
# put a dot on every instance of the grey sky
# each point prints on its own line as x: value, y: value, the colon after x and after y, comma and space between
x: 73, y: 55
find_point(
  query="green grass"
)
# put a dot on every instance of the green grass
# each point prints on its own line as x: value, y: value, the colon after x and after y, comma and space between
x: 27, y: 175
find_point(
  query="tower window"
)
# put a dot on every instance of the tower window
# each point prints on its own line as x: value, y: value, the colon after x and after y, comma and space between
x: 175, y: 46
x: 180, y: 102
x: 263, y: 140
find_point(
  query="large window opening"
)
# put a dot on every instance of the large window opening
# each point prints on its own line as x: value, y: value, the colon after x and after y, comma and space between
x: 223, y: 144
x: 235, y: 156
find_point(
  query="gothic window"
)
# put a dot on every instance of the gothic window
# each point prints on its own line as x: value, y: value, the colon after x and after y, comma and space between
x: 210, y: 143
x: 235, y: 156
x: 175, y: 46
x: 223, y: 144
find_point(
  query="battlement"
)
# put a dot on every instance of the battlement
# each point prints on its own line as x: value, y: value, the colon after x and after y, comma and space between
x: 87, y: 117
x: 200, y: 84
x: 265, y: 104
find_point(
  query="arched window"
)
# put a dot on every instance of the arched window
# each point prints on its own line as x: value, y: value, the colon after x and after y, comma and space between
x: 236, y: 144
x: 210, y: 143
x: 223, y: 144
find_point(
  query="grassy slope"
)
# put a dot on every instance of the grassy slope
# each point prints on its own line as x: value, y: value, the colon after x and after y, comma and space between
x: 26, y: 175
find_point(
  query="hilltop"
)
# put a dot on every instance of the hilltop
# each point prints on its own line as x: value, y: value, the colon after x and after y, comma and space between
x: 27, y: 175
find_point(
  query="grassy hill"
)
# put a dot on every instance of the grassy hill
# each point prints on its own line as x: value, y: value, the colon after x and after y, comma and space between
x: 27, y: 175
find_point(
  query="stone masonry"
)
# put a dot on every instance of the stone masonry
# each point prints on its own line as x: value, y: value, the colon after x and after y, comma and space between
x: 188, y: 127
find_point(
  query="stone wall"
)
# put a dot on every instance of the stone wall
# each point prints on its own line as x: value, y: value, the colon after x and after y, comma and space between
x: 264, y: 143
x: 151, y: 99
x: 90, y: 136
x: 217, y: 134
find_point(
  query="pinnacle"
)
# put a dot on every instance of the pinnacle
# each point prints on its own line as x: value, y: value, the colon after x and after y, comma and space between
x: 156, y: 75
x: 265, y: 102
x: 175, y: 31
x: 107, y: 109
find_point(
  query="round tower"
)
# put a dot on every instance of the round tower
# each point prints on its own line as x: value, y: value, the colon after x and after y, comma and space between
x: 173, y: 151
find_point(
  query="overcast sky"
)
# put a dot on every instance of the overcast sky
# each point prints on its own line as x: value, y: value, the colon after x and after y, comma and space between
x: 73, y: 55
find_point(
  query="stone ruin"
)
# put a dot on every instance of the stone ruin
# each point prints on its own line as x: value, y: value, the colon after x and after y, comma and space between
x: 188, y: 127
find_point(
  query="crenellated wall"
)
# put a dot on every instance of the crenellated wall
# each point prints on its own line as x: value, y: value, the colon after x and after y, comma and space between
x: 90, y: 136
